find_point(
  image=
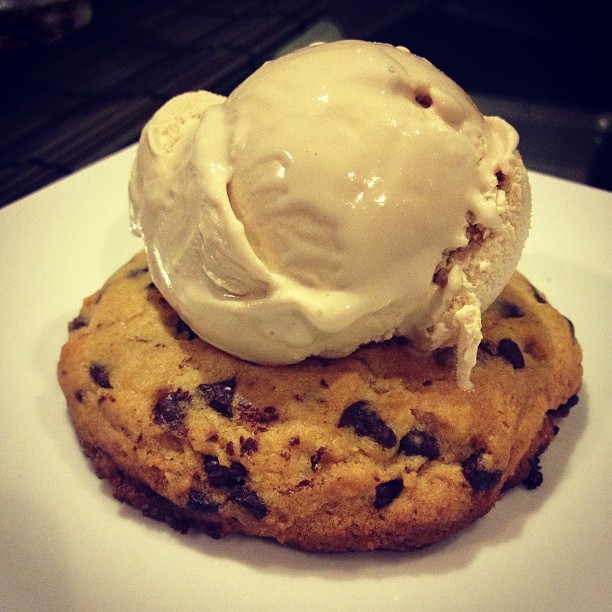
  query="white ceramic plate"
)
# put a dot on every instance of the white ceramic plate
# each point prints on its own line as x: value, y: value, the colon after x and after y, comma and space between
x: 66, y: 544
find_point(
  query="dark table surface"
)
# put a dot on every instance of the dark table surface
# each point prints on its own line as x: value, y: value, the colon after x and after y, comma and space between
x: 67, y: 104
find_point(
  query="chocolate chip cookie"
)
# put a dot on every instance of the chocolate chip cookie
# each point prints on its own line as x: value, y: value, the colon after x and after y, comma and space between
x: 378, y: 450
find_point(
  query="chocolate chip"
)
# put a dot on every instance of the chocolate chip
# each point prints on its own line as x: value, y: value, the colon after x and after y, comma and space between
x: 486, y: 347
x: 570, y: 403
x: 480, y: 479
x: 571, y: 327
x: 78, y: 322
x: 303, y: 484
x: 511, y: 311
x: 248, y: 445
x: 563, y: 409
x: 170, y: 409
x: 184, y: 331
x: 249, y: 500
x: 300, y: 486
x: 219, y: 395
x: 417, y: 442
x: 537, y: 295
x: 365, y: 420
x: 315, y: 459
x: 254, y: 414
x: 200, y: 502
x: 79, y: 396
x: 509, y: 350
x: 99, y: 374
x: 224, y: 476
x: 534, y: 478
x: 386, y: 492
x: 137, y: 272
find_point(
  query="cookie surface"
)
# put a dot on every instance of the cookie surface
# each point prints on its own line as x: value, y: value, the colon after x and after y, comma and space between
x: 377, y: 450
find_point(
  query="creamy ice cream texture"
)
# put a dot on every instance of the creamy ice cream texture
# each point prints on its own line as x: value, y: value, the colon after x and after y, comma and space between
x: 345, y: 193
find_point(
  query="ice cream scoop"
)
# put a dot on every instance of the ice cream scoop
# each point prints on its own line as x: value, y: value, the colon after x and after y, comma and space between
x: 345, y: 193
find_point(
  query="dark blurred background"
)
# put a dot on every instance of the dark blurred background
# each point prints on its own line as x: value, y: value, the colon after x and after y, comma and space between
x: 78, y: 79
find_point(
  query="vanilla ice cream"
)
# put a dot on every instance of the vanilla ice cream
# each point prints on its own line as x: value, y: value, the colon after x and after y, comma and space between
x: 344, y: 193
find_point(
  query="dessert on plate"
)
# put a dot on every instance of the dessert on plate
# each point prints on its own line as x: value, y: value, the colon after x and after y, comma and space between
x: 325, y: 340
